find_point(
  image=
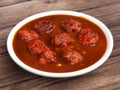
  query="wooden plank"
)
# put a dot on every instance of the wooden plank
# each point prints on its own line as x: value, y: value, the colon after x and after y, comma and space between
x: 105, y: 10
x: 10, y: 2
x: 14, y: 13
x: 11, y: 72
x: 93, y: 79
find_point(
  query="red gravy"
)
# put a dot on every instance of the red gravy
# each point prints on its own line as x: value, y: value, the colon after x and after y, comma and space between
x: 90, y: 54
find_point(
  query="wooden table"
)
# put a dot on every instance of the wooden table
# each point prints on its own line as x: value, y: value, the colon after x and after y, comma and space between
x: 12, y: 77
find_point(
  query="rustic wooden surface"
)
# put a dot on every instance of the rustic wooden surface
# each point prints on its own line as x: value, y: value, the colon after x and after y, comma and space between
x: 12, y: 77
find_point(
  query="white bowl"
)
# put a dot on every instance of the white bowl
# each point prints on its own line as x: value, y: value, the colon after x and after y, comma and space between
x: 66, y: 74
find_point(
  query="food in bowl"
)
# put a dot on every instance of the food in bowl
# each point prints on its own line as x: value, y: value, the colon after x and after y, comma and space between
x: 59, y: 43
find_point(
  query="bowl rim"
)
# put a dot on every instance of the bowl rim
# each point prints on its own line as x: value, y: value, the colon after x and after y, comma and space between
x: 94, y: 66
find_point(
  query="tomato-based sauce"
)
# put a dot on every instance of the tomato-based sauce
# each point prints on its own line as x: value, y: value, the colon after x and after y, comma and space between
x: 59, y: 43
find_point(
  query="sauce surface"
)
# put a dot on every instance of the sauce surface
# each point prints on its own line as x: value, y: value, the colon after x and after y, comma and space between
x: 90, y: 54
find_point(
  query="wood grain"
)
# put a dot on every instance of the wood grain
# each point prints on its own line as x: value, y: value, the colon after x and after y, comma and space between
x: 10, y: 2
x: 12, y: 77
x: 14, y: 13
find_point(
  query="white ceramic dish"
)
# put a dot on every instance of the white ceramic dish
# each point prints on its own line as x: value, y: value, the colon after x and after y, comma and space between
x: 67, y: 74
